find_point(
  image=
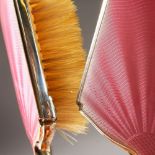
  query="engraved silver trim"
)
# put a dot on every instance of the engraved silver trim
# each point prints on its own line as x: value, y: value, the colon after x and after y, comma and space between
x: 92, y: 47
x: 44, y: 102
x: 45, y: 106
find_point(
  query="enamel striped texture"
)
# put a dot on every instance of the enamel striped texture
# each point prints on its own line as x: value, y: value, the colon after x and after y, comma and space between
x: 19, y: 69
x: 118, y: 92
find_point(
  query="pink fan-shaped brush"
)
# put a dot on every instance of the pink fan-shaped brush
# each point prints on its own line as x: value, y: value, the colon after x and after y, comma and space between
x: 118, y: 89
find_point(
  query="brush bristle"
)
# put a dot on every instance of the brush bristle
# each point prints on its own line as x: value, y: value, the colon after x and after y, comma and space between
x: 59, y: 39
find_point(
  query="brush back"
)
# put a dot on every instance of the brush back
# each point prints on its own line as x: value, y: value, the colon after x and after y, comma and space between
x: 118, y: 88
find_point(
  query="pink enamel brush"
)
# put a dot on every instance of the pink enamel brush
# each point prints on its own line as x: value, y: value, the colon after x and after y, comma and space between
x: 117, y: 93
x: 46, y: 57
x: 20, y: 73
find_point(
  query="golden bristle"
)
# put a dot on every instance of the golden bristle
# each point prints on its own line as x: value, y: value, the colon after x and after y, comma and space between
x: 62, y: 56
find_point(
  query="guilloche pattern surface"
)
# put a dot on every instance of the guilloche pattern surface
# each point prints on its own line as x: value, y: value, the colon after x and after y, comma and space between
x: 118, y: 92
x: 19, y: 69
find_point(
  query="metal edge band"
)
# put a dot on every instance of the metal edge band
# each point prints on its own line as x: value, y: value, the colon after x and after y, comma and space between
x: 92, y: 48
x: 45, y: 105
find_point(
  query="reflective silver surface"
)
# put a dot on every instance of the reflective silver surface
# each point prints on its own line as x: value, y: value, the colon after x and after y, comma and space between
x: 44, y: 102
x: 46, y: 109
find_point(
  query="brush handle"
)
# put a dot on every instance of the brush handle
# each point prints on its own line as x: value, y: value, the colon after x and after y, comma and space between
x: 42, y: 147
x: 19, y: 69
x: 40, y: 152
x: 117, y: 92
